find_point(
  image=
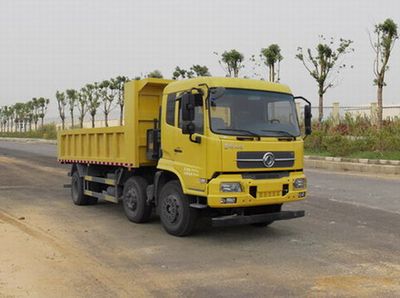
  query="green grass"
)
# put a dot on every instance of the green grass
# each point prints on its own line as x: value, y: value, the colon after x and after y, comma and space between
x: 390, y: 155
x: 48, y: 132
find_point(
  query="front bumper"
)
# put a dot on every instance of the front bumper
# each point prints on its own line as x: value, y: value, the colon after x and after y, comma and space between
x: 235, y: 220
x: 255, y: 192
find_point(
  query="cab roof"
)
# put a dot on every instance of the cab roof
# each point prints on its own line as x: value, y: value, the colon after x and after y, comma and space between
x: 182, y: 85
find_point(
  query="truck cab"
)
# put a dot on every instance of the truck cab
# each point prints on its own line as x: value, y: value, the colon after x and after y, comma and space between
x: 235, y: 146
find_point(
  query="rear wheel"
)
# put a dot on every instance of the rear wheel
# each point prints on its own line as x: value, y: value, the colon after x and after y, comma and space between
x: 77, y: 192
x: 134, y: 200
x: 177, y: 217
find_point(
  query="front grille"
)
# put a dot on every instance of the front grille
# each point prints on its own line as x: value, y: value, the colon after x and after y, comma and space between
x: 283, y: 159
x: 265, y: 175
x: 268, y: 194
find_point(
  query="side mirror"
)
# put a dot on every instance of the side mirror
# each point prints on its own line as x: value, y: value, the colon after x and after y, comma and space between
x: 307, y: 119
x: 188, y: 104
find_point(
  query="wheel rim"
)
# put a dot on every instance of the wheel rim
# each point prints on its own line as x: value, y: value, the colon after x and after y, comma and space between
x: 131, y: 199
x: 170, y: 209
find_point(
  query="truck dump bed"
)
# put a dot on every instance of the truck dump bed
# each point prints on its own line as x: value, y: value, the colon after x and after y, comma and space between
x: 119, y: 145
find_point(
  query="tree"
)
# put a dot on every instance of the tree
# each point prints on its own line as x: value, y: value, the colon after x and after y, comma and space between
x: 29, y: 109
x: 9, y: 117
x: 36, y: 111
x: 272, y: 57
x: 231, y: 61
x: 200, y: 71
x: 196, y: 70
x: 3, y: 118
x: 386, y: 35
x: 10, y: 114
x: 119, y: 82
x: 82, y: 106
x: 43, y: 103
x: 181, y: 73
x: 324, y: 65
x: 93, y: 100
x: 72, y: 96
x: 155, y: 74
x: 107, y: 93
x: 19, y: 116
x: 61, y: 103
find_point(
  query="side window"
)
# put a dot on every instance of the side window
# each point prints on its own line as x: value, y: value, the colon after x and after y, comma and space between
x: 198, y: 117
x: 170, y: 119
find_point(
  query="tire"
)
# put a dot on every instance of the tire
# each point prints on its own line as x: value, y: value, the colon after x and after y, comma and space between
x: 273, y: 208
x: 134, y: 200
x: 177, y: 217
x: 77, y: 191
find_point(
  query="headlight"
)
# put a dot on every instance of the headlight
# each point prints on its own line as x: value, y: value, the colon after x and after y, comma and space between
x: 231, y: 187
x: 300, y: 183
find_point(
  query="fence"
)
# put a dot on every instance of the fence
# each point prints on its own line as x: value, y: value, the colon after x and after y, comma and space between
x: 336, y: 112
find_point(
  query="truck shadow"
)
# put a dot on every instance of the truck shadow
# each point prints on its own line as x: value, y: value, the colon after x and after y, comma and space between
x: 204, y: 229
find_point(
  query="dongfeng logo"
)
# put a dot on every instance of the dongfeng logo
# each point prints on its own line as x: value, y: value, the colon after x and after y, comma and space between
x: 268, y: 159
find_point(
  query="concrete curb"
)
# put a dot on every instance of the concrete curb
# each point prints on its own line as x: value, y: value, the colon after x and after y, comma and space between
x: 30, y: 141
x: 375, y: 166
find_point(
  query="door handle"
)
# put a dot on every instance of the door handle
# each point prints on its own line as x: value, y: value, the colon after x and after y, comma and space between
x: 178, y: 150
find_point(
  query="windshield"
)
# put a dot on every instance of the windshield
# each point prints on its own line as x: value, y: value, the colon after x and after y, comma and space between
x: 252, y: 112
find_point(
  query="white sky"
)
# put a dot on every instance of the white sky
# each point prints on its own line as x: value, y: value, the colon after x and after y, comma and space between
x: 49, y: 45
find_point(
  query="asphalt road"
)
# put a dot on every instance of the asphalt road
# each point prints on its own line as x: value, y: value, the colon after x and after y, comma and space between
x: 346, y: 245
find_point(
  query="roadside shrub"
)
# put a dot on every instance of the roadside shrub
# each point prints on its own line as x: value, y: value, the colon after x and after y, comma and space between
x: 314, y: 142
x: 353, y: 136
x: 385, y: 140
x: 48, y: 131
x: 338, y: 145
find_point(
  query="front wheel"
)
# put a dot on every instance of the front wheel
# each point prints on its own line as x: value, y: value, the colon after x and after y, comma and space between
x: 177, y: 217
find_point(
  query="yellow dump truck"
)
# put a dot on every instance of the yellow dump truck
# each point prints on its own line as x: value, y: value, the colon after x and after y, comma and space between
x: 225, y: 148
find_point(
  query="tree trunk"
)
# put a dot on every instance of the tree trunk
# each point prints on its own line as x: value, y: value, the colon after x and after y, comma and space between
x: 380, y: 109
x: 93, y: 121
x: 320, y: 107
x: 235, y: 72
x: 278, y: 72
x: 121, y: 115
x: 269, y: 73
x: 63, y: 124
x: 81, y: 121
x: 106, y: 119
x: 273, y: 73
x: 42, y: 121
x: 72, y: 119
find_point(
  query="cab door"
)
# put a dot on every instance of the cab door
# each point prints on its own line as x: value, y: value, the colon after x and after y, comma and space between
x: 188, y: 158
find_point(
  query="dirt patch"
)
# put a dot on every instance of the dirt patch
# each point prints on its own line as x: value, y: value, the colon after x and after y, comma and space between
x: 34, y: 263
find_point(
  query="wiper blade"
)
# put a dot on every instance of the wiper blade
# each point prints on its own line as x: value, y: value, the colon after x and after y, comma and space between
x: 288, y: 134
x: 242, y: 130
